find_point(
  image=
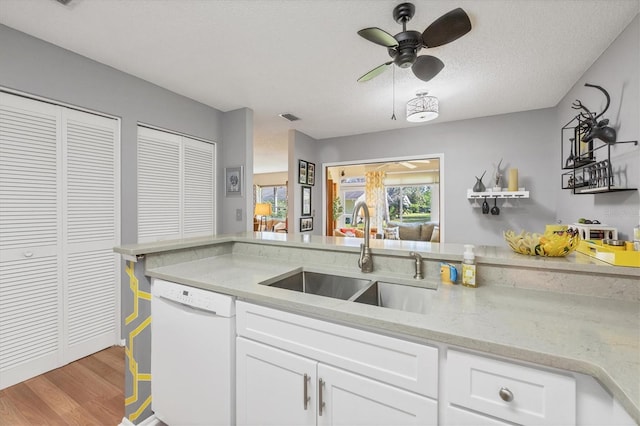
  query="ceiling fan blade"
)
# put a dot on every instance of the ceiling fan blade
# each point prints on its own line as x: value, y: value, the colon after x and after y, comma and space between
x: 374, y: 72
x: 378, y: 36
x: 407, y: 164
x: 447, y: 28
x: 426, y: 67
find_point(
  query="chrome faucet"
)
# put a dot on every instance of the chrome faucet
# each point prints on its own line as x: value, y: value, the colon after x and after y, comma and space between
x: 366, y: 261
x: 418, y: 258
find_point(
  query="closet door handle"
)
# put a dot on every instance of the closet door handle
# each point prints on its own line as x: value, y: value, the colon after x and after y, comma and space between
x: 306, y: 397
x: 320, y: 397
x: 28, y: 254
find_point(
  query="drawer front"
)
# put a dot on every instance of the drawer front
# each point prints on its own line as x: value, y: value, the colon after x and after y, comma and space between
x: 460, y: 417
x: 509, y: 391
x: 407, y: 365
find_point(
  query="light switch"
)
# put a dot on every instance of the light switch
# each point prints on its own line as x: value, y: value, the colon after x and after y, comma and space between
x: 238, y: 215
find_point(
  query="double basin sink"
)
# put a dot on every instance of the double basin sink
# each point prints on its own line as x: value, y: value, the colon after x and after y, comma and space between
x: 372, y: 292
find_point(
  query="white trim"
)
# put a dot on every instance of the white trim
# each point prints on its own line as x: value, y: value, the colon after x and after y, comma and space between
x: 118, y: 230
x: 174, y: 132
x: 58, y: 103
x: 149, y: 421
x: 439, y: 156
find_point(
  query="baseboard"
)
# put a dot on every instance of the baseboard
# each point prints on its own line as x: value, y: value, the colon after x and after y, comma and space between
x: 149, y: 421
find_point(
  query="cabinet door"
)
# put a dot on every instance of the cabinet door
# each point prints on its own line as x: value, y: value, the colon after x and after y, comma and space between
x: 270, y: 386
x: 351, y: 399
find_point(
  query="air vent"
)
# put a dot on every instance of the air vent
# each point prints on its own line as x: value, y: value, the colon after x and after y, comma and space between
x: 289, y: 117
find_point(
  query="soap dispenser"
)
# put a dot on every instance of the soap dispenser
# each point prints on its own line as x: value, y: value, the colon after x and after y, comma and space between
x: 469, y: 267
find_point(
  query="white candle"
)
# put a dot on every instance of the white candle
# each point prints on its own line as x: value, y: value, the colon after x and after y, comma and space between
x: 513, y: 179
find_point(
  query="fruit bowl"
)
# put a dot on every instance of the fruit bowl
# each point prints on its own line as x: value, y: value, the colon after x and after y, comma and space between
x: 553, y: 244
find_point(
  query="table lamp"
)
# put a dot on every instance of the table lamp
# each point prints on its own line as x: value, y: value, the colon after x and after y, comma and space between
x: 263, y: 210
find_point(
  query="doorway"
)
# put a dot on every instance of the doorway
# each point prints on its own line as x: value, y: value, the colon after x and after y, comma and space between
x: 396, y: 190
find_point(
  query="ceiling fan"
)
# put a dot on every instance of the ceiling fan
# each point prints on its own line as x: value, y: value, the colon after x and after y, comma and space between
x: 404, y: 46
x: 408, y: 164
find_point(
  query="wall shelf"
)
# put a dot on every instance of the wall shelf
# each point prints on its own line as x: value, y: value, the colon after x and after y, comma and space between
x: 497, y: 194
x: 586, y: 175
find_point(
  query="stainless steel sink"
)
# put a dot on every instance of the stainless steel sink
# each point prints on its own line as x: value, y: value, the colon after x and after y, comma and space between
x: 336, y: 286
x: 397, y: 296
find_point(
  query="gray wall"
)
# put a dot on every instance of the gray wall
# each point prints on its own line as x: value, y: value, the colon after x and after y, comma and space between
x: 237, y: 132
x: 40, y: 68
x: 529, y: 141
x: 304, y: 147
x: 617, y: 71
x: 526, y: 141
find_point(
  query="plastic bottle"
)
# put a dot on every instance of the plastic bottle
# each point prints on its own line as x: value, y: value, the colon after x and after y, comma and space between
x: 636, y: 235
x: 469, y: 267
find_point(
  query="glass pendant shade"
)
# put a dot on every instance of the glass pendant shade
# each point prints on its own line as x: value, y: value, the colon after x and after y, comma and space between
x: 422, y: 108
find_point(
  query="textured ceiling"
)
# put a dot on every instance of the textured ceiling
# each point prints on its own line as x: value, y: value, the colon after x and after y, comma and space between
x: 303, y: 56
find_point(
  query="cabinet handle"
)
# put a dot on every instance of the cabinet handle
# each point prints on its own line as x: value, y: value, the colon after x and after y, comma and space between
x: 306, y: 391
x: 506, y: 394
x: 320, y: 398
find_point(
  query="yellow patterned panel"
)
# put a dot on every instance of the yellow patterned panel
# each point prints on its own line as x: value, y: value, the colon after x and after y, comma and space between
x: 132, y: 363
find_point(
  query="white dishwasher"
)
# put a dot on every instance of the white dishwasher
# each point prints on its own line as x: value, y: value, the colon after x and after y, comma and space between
x: 192, y: 355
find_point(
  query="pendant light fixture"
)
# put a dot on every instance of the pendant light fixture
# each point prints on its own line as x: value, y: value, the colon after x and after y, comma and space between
x: 422, y: 108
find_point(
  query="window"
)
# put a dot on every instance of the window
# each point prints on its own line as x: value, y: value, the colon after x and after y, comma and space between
x: 350, y: 195
x: 410, y: 203
x: 396, y: 190
x: 277, y: 197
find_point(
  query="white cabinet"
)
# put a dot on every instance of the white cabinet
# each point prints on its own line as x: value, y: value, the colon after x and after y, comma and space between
x: 275, y: 387
x: 271, y: 385
x: 508, y: 391
x: 352, y: 376
x: 350, y: 399
x: 462, y: 417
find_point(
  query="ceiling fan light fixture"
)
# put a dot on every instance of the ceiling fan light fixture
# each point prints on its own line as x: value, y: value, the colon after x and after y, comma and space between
x: 422, y: 108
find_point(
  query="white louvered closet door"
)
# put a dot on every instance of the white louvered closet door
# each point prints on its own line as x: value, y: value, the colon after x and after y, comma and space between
x: 30, y: 236
x: 176, y: 186
x: 158, y: 185
x: 91, y: 181
x: 199, y: 188
x: 59, y: 198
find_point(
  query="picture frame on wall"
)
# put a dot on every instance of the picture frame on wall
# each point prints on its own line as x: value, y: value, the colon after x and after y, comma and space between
x: 306, y: 201
x: 306, y: 224
x: 233, y: 181
x: 311, y: 174
x: 302, y: 172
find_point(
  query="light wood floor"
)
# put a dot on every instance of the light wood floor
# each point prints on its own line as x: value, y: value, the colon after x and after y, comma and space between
x: 89, y: 391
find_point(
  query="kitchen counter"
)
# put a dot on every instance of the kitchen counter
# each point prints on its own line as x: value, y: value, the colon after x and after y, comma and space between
x: 491, y: 255
x: 589, y: 334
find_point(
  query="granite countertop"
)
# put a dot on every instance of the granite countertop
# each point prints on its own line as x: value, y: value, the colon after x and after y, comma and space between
x: 591, y: 335
x: 491, y: 255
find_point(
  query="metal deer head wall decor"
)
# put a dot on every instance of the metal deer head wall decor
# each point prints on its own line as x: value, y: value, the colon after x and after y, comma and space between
x: 592, y: 128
